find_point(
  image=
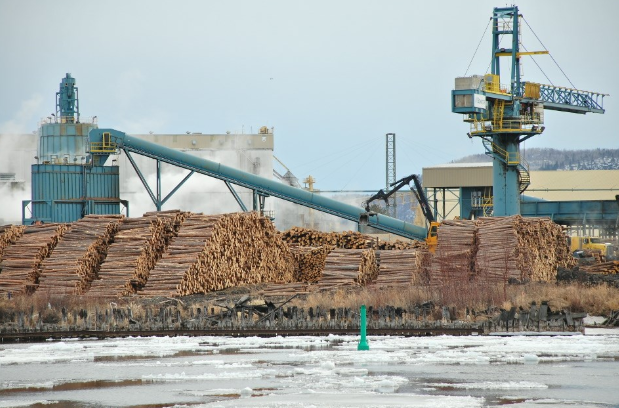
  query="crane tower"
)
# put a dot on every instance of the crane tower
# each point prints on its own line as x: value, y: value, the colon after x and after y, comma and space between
x: 504, y: 115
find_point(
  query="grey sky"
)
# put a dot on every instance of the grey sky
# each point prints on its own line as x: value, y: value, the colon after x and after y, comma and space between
x: 332, y: 77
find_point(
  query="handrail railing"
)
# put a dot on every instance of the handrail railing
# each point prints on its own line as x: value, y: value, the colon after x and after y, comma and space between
x: 566, y: 96
x: 103, y: 147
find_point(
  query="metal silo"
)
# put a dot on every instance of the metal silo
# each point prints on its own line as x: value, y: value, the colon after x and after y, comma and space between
x: 67, y: 183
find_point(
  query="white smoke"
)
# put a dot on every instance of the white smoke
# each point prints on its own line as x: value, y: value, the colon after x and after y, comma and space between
x: 200, y: 193
x: 288, y: 215
x: 18, y: 147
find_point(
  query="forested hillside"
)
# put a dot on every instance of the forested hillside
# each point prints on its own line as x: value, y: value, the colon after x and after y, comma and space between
x: 554, y: 159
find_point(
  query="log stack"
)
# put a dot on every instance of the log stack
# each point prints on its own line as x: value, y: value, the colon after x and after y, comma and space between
x: 77, y: 257
x: 245, y: 248
x: 400, y: 245
x: 454, y: 258
x: 345, y: 240
x: 402, y: 267
x: 309, y: 262
x: 349, y: 267
x: 20, y: 268
x: 9, y: 234
x: 181, y: 253
x: 604, y: 268
x: 138, y: 245
x: 520, y: 249
x: 220, y: 251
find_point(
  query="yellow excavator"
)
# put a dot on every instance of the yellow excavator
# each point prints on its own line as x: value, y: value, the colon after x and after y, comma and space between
x: 432, y: 237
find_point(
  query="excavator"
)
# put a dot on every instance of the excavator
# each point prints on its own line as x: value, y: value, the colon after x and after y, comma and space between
x: 432, y: 237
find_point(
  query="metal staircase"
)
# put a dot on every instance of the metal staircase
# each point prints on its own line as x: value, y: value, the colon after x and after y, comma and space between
x: 510, y: 159
x: 487, y: 202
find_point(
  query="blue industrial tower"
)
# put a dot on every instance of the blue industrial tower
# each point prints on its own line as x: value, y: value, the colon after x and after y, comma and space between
x: 503, y: 116
x: 67, y: 183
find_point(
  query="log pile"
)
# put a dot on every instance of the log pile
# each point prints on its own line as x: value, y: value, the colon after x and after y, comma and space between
x: 604, y: 268
x: 402, y: 267
x: 244, y: 249
x: 454, y: 258
x: 309, y: 262
x: 9, y: 234
x: 20, y: 266
x: 181, y: 253
x: 400, y: 245
x: 137, y: 247
x: 521, y: 249
x: 221, y: 251
x: 349, y: 267
x: 345, y: 240
x: 76, y: 260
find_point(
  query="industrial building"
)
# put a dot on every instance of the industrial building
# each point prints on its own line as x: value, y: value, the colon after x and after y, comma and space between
x: 584, y: 200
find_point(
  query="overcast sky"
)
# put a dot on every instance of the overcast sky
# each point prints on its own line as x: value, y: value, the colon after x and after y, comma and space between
x: 332, y: 77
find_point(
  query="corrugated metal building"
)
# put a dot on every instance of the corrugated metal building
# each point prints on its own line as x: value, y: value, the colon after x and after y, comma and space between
x: 465, y: 189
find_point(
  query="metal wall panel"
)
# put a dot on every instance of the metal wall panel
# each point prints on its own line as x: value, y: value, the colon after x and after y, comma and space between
x: 58, y: 191
x: 63, y: 143
x: 457, y: 176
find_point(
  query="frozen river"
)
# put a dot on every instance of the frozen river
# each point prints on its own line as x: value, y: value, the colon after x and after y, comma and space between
x: 475, y: 371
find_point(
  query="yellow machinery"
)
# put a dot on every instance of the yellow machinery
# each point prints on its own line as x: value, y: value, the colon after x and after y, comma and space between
x: 432, y: 238
x: 582, y: 245
x: 432, y: 234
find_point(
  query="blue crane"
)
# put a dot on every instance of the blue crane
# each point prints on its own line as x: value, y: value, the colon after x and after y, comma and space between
x: 503, y: 116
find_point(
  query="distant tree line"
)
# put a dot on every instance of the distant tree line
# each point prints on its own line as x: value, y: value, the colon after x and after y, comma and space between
x: 555, y: 159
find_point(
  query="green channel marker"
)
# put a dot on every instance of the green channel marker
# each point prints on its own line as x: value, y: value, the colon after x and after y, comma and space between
x: 363, y: 342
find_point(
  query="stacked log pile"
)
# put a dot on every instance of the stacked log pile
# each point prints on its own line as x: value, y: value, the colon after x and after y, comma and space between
x: 309, y: 262
x: 402, y: 267
x: 245, y: 249
x: 346, y: 240
x: 221, y: 251
x: 520, y: 249
x: 76, y: 260
x: 349, y: 267
x: 20, y: 266
x: 138, y: 245
x: 604, y: 268
x: 399, y: 245
x: 454, y: 258
x: 9, y: 234
x: 181, y: 253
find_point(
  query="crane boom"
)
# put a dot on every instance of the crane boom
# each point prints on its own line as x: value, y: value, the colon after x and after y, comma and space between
x: 415, y: 188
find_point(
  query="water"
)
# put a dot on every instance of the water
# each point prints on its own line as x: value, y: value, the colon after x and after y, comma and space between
x: 574, y: 371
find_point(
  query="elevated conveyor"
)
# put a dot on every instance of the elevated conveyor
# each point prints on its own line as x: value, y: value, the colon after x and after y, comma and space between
x: 104, y: 142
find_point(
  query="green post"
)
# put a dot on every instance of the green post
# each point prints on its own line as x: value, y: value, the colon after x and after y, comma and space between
x: 363, y: 342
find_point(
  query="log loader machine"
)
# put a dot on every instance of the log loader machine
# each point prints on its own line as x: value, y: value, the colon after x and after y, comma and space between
x: 432, y: 237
